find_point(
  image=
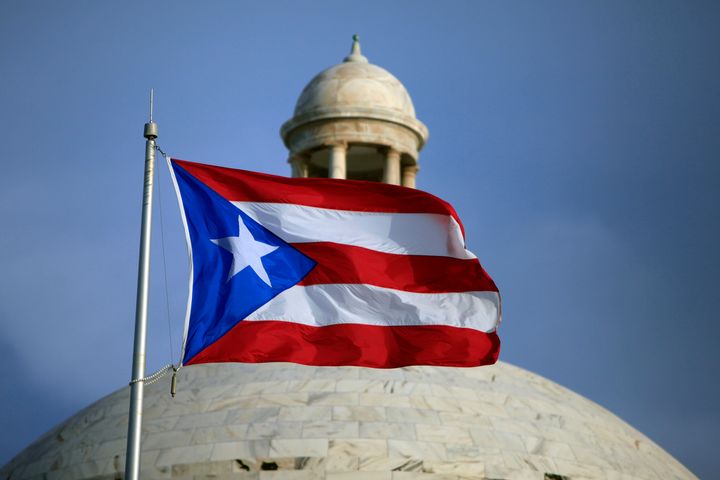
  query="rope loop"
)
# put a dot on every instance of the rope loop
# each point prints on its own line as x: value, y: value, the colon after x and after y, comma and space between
x: 156, y: 376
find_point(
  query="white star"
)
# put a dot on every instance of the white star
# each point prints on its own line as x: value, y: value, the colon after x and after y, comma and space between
x: 247, y: 252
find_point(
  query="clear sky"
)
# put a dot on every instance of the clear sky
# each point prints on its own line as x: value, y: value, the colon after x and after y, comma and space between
x: 579, y: 142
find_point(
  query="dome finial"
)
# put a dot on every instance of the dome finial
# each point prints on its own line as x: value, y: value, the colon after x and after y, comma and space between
x: 355, y: 54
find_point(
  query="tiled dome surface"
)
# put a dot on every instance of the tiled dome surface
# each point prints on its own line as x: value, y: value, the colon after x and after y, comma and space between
x: 286, y: 421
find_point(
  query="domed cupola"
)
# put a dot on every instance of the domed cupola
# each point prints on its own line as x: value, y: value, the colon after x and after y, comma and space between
x: 355, y: 120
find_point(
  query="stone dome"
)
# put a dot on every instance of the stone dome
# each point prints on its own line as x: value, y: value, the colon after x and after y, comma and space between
x: 355, y: 90
x: 238, y: 421
x: 351, y: 87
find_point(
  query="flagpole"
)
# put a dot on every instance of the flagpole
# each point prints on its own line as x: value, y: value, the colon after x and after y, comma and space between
x: 132, y: 459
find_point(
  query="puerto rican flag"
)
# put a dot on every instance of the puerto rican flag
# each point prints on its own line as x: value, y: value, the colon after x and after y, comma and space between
x: 329, y: 272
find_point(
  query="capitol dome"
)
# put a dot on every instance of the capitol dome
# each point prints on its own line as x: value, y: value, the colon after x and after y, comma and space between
x: 286, y: 421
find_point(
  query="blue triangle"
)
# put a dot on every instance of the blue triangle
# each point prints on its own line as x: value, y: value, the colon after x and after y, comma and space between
x: 217, y: 304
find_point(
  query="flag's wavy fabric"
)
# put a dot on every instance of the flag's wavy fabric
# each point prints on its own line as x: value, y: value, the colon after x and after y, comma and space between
x: 358, y: 273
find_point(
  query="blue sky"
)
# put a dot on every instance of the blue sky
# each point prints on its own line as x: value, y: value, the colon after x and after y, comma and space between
x: 578, y: 141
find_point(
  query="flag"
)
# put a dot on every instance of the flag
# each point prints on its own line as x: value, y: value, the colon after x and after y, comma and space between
x: 329, y: 272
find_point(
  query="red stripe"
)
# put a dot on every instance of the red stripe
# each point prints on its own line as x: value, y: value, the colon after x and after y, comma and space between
x: 245, y: 186
x: 339, y: 263
x: 352, y: 344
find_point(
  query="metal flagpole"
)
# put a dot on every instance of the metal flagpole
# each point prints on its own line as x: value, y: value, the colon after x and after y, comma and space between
x: 132, y: 459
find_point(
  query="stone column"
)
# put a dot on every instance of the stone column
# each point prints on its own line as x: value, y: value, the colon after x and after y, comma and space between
x: 298, y: 163
x: 409, y: 172
x: 338, y: 162
x: 391, y: 173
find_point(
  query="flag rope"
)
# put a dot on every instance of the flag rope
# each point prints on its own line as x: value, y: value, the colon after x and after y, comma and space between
x: 162, y: 249
x: 179, y: 362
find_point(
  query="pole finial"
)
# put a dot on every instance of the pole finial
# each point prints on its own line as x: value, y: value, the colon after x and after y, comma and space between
x: 151, y: 130
x: 355, y: 53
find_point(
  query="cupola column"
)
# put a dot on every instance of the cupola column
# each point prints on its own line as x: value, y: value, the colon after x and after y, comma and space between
x: 391, y: 173
x: 338, y: 162
x: 298, y: 162
x: 408, y: 175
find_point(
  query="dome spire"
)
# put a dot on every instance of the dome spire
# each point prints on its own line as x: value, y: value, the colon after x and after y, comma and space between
x: 355, y: 54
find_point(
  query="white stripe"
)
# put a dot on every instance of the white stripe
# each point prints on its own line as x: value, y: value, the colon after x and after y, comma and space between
x: 331, y: 304
x: 399, y: 233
